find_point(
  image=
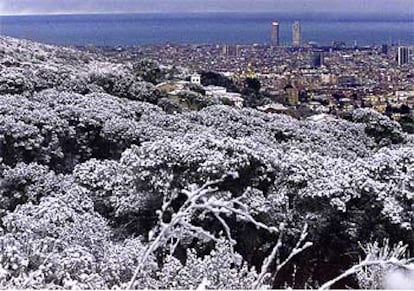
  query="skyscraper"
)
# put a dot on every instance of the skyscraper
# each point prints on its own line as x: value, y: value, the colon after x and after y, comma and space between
x: 384, y: 49
x: 224, y: 50
x: 296, y: 34
x: 317, y: 59
x: 402, y: 55
x: 275, y: 34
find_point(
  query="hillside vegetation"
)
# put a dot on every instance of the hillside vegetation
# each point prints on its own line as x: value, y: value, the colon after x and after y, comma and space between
x: 98, y: 183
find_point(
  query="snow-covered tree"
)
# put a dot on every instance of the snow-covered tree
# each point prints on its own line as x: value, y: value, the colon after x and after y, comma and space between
x: 95, y: 180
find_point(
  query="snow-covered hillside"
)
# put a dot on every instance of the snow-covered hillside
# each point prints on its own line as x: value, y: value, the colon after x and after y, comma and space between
x: 98, y: 183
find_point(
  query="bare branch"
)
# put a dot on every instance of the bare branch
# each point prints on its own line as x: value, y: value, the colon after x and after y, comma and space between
x: 266, y: 263
x: 201, y: 198
x: 299, y: 248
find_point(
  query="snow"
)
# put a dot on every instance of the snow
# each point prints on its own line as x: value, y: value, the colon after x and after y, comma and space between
x: 92, y: 171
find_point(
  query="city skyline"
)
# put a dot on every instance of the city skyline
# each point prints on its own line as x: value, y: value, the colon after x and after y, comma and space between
x: 27, y: 7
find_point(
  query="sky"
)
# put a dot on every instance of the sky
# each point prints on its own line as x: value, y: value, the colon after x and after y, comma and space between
x: 19, y: 7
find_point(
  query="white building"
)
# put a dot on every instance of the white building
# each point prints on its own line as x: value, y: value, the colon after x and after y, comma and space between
x: 215, y: 91
x: 195, y: 79
x: 403, y: 55
x: 322, y: 117
x: 403, y: 95
x: 273, y: 108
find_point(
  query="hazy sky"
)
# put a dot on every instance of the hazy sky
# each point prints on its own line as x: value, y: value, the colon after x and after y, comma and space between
x: 108, y: 6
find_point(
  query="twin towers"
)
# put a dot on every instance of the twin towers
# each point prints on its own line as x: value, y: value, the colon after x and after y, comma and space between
x: 296, y: 34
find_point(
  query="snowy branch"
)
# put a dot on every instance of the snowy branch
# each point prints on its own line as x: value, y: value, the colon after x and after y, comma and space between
x: 198, y: 198
x: 360, y: 266
x: 376, y: 255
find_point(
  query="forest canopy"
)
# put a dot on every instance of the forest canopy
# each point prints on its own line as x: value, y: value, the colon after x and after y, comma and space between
x: 96, y: 175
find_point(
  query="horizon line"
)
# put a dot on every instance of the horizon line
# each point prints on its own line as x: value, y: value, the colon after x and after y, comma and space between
x: 200, y: 12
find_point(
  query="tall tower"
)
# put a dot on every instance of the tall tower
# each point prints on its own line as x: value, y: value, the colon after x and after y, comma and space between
x: 384, y: 49
x: 317, y: 59
x: 224, y: 50
x: 402, y: 56
x: 275, y: 34
x: 296, y: 34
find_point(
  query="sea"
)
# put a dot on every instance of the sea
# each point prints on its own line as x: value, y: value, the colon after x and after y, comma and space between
x: 208, y: 28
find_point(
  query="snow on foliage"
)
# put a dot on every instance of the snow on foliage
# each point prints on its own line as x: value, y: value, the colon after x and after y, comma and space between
x: 221, y: 270
x: 30, y: 67
x: 384, y: 130
x: 87, y: 163
x: 63, y: 129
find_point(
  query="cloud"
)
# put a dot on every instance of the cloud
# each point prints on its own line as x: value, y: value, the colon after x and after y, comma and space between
x: 108, y: 6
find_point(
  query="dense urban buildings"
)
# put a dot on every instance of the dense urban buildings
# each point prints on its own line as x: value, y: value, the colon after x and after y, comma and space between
x: 305, y: 80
